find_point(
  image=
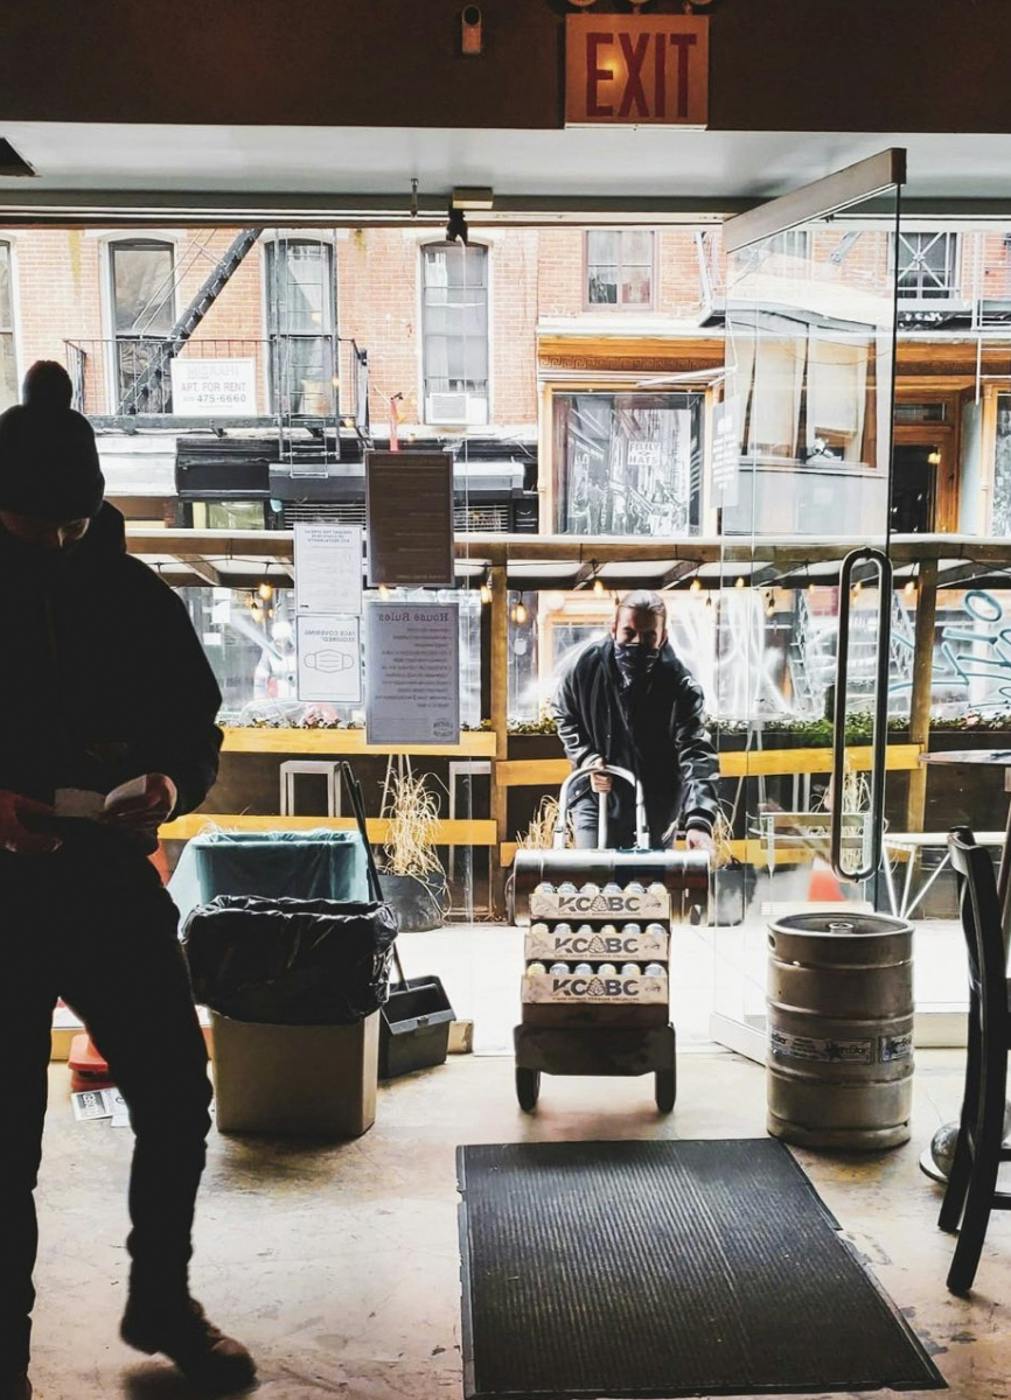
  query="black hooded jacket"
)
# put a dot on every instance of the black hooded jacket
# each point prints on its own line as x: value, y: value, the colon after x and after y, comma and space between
x: 664, y: 740
x: 103, y: 676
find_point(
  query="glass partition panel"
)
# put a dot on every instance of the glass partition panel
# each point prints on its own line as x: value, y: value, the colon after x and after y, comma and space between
x: 805, y: 598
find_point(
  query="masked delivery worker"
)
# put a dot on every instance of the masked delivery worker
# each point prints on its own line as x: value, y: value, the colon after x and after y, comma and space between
x: 630, y: 702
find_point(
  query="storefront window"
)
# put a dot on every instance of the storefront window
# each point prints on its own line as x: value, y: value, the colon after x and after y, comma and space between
x: 628, y: 464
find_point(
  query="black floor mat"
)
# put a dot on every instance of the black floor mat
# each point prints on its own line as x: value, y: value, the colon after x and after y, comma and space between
x: 665, y: 1269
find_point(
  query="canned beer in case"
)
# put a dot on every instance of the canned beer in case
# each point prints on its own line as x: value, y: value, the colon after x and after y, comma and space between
x: 630, y: 970
x: 654, y: 970
x: 545, y: 887
x: 559, y: 969
x: 584, y: 970
x: 607, y: 970
x: 539, y: 928
x: 536, y: 969
x: 590, y: 888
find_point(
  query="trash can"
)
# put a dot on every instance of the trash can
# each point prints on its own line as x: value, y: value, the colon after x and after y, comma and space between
x: 295, y: 989
x: 840, y: 1015
x: 320, y: 864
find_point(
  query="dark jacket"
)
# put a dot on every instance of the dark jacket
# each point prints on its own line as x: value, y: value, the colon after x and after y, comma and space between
x: 663, y: 740
x: 103, y: 676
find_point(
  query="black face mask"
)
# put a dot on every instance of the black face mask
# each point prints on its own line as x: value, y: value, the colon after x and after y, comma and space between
x: 635, y: 662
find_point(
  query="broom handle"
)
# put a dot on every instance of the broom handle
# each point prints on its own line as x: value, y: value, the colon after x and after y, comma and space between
x: 354, y: 788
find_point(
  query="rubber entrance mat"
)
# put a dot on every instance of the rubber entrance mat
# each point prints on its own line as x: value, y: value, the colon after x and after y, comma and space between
x: 665, y: 1269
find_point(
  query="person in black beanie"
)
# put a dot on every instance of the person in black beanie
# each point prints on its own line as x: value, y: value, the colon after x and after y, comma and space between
x: 107, y: 728
x: 631, y: 702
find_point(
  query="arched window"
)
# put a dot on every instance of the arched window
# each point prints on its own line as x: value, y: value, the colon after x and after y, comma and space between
x: 454, y: 311
x: 301, y: 327
x: 142, y: 279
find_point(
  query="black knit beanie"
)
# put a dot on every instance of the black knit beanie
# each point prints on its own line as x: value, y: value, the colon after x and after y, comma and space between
x: 49, y: 465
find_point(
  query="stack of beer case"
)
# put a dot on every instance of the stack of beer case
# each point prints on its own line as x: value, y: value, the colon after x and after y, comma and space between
x: 596, y: 986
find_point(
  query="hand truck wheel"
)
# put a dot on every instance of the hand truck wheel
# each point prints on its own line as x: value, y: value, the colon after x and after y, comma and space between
x: 528, y: 1088
x: 666, y: 1089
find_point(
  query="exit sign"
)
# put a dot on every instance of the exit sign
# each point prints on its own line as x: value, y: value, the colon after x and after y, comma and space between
x: 637, y: 70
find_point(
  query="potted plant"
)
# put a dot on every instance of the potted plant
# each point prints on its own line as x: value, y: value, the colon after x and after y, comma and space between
x: 414, y: 882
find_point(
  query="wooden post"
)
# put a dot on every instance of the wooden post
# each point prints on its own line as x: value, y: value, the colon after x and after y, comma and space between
x: 923, y: 675
x: 500, y: 726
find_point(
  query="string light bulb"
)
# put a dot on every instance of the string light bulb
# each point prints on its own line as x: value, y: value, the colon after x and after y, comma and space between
x: 520, y: 615
x: 696, y: 585
x: 384, y: 592
x: 598, y: 587
x: 910, y: 588
x: 485, y: 594
x: 740, y: 581
x: 266, y: 591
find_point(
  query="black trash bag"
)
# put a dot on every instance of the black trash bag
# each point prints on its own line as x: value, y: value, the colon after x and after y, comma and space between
x: 291, y: 962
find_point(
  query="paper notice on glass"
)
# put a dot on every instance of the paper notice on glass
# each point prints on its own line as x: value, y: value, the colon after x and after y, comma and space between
x: 413, y: 673
x: 328, y: 569
x: 726, y: 452
x: 409, y: 512
x: 329, y: 660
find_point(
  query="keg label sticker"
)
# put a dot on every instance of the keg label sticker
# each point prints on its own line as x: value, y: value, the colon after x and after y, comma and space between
x: 804, y: 1047
x: 896, y: 1047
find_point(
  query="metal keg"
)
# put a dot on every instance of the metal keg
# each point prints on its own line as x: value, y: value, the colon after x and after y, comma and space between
x: 840, y: 998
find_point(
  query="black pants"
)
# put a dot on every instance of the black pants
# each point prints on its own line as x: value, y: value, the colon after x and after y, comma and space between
x: 95, y: 926
x: 620, y: 824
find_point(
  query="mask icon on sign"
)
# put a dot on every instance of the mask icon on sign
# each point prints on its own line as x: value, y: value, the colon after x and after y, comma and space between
x: 329, y: 661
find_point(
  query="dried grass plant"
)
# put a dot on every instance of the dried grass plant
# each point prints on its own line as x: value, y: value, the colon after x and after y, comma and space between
x: 540, y: 834
x: 413, y: 814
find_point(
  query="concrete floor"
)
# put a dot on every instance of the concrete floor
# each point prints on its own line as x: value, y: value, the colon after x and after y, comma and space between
x: 340, y: 1266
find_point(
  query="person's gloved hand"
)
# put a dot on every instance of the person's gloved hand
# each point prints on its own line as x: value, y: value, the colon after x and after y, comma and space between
x: 140, y: 815
x: 600, y: 782
x: 16, y: 832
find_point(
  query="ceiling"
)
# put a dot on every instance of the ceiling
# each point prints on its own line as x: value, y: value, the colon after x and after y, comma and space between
x: 368, y: 170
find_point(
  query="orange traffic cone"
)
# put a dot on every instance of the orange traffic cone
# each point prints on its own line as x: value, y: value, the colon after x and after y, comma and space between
x: 824, y: 888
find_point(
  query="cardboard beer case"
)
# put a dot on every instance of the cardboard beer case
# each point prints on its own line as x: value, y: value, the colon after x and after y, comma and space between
x: 609, y: 908
x: 569, y: 989
x: 595, y: 946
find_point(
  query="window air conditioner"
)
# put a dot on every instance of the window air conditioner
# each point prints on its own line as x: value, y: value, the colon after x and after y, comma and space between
x: 457, y: 410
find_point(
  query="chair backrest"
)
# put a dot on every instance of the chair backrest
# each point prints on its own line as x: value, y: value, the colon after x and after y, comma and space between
x: 981, y: 921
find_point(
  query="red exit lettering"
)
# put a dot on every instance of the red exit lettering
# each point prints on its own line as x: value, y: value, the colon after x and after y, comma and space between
x: 646, y: 69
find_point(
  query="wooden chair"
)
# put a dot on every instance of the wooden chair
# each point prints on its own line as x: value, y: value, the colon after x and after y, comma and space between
x: 972, y: 1186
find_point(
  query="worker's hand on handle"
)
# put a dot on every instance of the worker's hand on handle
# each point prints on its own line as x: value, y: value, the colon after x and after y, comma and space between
x: 139, y: 816
x: 600, y: 782
x: 22, y: 822
x: 698, y: 840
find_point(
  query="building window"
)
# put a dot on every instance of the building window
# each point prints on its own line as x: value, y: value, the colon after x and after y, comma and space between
x: 301, y: 327
x: 8, y: 358
x: 619, y: 267
x: 454, y: 314
x: 143, y: 308
x: 628, y: 464
x: 927, y: 265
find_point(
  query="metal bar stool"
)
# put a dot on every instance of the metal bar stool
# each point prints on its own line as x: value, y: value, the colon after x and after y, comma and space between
x: 298, y: 767
x: 972, y: 1185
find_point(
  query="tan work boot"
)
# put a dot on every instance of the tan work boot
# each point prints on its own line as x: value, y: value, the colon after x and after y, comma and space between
x: 204, y: 1354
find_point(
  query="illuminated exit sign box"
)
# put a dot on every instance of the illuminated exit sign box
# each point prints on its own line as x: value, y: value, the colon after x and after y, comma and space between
x: 637, y: 70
